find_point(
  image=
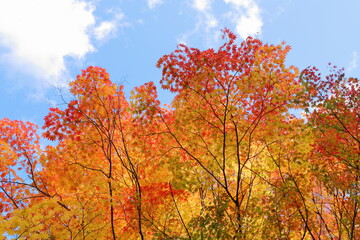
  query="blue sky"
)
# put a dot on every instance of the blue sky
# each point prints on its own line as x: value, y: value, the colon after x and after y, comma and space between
x: 45, y: 43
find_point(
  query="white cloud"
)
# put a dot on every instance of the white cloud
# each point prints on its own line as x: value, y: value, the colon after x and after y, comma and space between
x: 38, y: 35
x: 154, y: 3
x: 246, y: 16
x: 104, y: 30
x: 107, y: 28
x: 354, y: 61
x: 249, y: 24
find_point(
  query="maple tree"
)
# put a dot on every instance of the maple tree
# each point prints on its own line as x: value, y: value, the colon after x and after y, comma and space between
x: 335, y: 120
x: 227, y: 159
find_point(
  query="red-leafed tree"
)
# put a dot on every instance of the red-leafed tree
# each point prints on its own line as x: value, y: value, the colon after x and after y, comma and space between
x: 333, y: 111
x: 227, y: 159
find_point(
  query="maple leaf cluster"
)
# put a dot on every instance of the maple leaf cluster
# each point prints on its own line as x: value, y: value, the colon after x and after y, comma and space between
x: 227, y: 159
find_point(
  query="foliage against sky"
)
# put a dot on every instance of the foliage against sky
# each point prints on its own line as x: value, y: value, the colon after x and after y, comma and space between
x: 225, y: 160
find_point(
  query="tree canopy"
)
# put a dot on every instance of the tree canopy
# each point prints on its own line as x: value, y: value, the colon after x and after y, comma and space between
x: 249, y: 148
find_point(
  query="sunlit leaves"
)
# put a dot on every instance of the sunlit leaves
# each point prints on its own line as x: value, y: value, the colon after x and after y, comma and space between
x: 227, y: 159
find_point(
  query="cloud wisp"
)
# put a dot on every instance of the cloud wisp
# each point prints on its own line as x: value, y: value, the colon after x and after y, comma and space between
x: 201, y: 5
x: 354, y: 61
x: 206, y: 21
x: 108, y: 29
x: 245, y: 14
x: 154, y: 3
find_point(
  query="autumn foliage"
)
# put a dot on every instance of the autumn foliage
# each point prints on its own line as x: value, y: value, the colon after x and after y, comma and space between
x: 249, y: 148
